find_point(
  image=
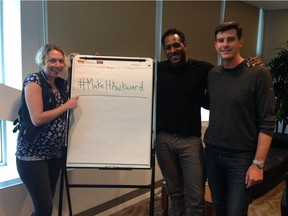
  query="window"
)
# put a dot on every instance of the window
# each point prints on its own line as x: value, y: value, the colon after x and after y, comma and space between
x: 13, y: 14
x: 1, y: 142
x: 1, y: 65
x: 1, y: 81
x: 11, y: 75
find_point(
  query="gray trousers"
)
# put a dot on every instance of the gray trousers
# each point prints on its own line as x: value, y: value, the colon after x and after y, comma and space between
x: 181, y: 160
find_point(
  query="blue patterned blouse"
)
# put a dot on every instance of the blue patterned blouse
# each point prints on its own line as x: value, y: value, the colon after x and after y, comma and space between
x: 50, y: 142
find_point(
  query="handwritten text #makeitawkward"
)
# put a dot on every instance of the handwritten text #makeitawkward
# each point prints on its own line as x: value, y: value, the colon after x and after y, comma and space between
x: 109, y: 85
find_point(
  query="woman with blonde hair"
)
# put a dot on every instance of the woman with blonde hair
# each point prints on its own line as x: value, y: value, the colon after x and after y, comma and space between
x: 42, y: 127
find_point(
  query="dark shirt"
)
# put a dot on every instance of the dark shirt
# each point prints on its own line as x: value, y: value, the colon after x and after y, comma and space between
x: 241, y: 106
x: 180, y: 95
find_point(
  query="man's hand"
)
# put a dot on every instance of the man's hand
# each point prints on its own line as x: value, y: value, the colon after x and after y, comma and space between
x: 73, y: 54
x: 254, y: 176
x: 255, y: 61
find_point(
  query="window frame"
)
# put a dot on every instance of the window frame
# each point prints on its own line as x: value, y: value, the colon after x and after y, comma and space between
x: 7, y: 152
x: 33, y: 36
x: 1, y: 80
x: 2, y: 161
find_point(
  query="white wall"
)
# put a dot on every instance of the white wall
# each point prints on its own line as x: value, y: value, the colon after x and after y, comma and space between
x: 33, y: 34
x: 15, y: 201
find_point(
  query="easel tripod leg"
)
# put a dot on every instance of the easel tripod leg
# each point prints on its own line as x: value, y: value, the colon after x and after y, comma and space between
x: 68, y: 193
x: 63, y: 177
x: 61, y: 193
x: 151, y: 210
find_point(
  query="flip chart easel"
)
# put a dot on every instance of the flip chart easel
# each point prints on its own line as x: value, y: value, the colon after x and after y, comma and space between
x: 112, y: 127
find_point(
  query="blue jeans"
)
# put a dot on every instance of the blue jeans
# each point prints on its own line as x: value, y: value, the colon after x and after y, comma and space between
x: 181, y: 162
x: 40, y: 178
x: 226, y: 171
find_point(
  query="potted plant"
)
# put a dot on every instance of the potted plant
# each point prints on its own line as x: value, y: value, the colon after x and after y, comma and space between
x: 279, y: 71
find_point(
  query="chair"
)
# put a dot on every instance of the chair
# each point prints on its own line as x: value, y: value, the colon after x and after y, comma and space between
x: 284, y: 199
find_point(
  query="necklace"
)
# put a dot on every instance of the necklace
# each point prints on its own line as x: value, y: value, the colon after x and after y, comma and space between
x: 42, y: 72
x: 53, y: 87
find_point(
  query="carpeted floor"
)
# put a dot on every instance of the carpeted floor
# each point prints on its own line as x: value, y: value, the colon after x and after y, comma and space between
x: 269, y: 203
x: 142, y: 208
x: 266, y: 205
